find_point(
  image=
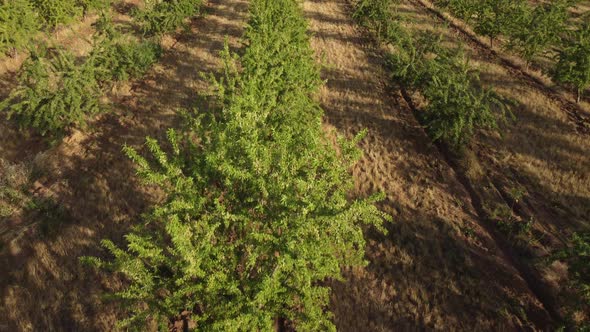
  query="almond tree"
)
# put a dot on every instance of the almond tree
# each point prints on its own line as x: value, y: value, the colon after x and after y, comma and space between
x: 161, y: 17
x: 573, y: 61
x: 539, y: 29
x: 495, y: 17
x: 258, y: 213
x: 55, y: 92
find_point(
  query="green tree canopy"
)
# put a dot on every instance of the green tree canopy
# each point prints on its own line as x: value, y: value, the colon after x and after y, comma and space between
x: 258, y: 212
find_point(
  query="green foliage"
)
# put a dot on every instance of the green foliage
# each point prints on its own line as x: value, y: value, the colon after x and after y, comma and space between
x: 411, y: 57
x: 105, y: 28
x: 91, y: 5
x: 165, y: 16
x: 54, y: 94
x: 56, y: 12
x: 378, y: 16
x: 20, y: 20
x: 463, y: 9
x: 456, y: 104
x: 539, y: 29
x: 496, y: 17
x: 573, y: 64
x: 57, y: 92
x: 257, y: 214
x: 577, y: 256
x: 118, y: 58
x: 530, y: 31
x: 123, y: 60
x: 18, y: 24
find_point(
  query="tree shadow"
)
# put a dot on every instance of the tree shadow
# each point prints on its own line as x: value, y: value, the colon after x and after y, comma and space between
x: 547, y: 157
x: 437, y: 268
x: 425, y: 275
x: 44, y: 287
x: 540, y: 153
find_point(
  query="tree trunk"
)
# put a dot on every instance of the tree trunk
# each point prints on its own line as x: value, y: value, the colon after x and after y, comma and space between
x: 578, y: 95
x: 280, y: 324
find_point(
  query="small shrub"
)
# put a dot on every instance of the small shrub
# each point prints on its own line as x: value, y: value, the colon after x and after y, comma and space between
x: 539, y: 29
x: 577, y: 256
x: 118, y: 57
x: 91, y: 5
x: 56, y: 12
x: 118, y: 60
x: 496, y: 17
x: 57, y: 92
x: 378, y: 16
x: 257, y: 214
x: 166, y: 16
x: 463, y: 9
x: 54, y: 93
x: 105, y: 28
x: 456, y: 103
x: 18, y: 24
x: 409, y: 60
x: 573, y: 61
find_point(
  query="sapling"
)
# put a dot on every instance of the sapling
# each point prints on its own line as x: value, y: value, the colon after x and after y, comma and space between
x: 258, y: 212
x: 573, y: 61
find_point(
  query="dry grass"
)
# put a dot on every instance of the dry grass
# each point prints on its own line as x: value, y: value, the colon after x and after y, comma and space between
x: 540, y: 154
x: 13, y: 182
x: 44, y: 287
x: 540, y: 67
x: 438, y: 269
x: 74, y: 37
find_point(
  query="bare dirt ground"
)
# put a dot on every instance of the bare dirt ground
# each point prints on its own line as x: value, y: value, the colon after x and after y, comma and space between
x: 437, y: 268
x: 537, y: 171
x: 43, y: 286
x: 537, y: 72
x: 76, y: 38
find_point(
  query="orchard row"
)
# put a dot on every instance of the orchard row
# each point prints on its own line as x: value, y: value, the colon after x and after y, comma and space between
x: 457, y: 104
x: 258, y: 213
x: 58, y: 91
x: 531, y: 31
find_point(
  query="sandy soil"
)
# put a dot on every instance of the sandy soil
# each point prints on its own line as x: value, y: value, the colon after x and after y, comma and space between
x: 44, y: 288
x: 437, y: 268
